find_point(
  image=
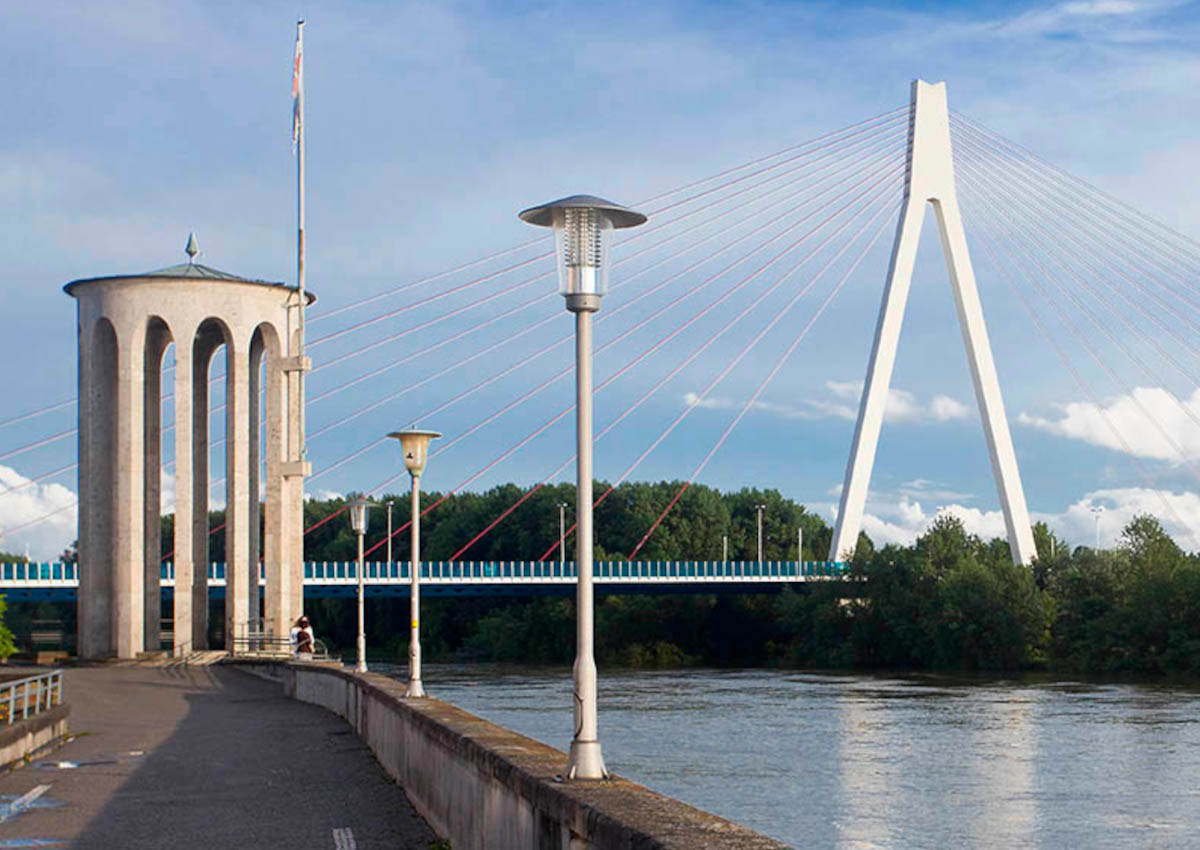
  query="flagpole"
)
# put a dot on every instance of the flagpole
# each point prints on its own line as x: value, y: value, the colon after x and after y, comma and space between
x: 301, y: 449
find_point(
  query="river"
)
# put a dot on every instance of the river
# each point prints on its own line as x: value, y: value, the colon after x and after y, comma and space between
x: 882, y: 761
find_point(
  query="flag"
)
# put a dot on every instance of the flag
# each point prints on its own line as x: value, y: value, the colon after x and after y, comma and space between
x: 298, y: 85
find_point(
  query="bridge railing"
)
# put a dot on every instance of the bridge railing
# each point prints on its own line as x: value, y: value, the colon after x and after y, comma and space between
x: 22, y: 698
x: 477, y: 572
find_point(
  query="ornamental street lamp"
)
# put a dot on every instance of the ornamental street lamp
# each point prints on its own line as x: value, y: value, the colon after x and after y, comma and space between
x: 389, y: 536
x: 358, y: 522
x: 1096, y: 511
x: 562, y: 537
x: 760, y: 509
x: 583, y: 226
x: 414, y: 446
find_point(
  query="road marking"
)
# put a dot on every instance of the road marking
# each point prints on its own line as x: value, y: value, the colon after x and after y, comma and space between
x: 343, y: 839
x: 21, y: 803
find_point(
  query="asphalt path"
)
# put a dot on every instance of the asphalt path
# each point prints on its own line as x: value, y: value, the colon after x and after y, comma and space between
x: 203, y: 757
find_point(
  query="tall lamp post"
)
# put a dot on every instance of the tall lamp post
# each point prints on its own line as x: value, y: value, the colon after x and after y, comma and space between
x: 1096, y: 511
x: 414, y: 446
x: 583, y: 226
x: 358, y: 522
x: 562, y: 536
x: 389, y: 536
x: 760, y: 509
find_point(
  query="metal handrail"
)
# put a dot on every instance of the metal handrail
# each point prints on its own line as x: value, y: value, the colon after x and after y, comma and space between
x: 274, y: 647
x: 46, y: 689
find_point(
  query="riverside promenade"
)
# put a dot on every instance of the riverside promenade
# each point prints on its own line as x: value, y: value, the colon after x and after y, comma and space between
x: 205, y: 757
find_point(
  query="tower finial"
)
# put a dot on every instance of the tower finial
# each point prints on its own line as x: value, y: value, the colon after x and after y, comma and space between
x: 192, y: 248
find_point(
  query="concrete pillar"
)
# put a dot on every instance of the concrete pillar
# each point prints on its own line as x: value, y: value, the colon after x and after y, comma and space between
x: 237, y: 492
x: 97, y: 394
x: 184, y: 516
x: 157, y: 339
x: 207, y: 340
x: 254, y: 445
x: 129, y: 544
x: 278, y: 604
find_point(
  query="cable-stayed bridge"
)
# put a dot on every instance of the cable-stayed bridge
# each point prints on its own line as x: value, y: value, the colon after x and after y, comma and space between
x: 732, y: 269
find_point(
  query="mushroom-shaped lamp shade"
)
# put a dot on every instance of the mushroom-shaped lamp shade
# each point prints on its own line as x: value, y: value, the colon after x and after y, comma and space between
x: 583, y: 226
x: 358, y: 514
x: 414, y: 446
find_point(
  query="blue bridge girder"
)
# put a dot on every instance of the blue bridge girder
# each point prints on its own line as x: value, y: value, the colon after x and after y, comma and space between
x: 60, y: 582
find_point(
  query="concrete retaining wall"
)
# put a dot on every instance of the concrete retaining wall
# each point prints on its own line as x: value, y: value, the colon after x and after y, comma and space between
x: 483, y: 786
x: 25, y: 739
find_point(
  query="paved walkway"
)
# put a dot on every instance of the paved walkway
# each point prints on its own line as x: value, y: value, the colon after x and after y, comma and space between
x: 205, y: 757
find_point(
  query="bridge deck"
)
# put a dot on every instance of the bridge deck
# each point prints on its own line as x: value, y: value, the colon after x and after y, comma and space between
x: 41, y: 581
x: 206, y: 757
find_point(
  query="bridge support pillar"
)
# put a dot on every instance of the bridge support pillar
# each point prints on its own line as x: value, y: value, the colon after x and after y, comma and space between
x: 930, y: 179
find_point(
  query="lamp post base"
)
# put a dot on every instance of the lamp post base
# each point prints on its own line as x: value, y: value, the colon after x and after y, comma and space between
x: 585, y: 761
x: 415, y: 690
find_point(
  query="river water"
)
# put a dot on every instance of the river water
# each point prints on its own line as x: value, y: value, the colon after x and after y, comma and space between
x: 882, y: 761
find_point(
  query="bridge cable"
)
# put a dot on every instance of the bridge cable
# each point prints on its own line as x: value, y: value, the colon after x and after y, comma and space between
x: 678, y: 368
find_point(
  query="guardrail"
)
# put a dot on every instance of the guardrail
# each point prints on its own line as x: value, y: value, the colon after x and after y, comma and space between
x: 23, y: 698
x: 383, y: 572
x: 263, y: 646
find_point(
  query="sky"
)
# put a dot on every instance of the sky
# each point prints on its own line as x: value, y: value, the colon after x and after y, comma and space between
x: 128, y: 125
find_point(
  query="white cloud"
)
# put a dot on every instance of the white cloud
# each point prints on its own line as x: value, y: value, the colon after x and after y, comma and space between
x: 1176, y: 430
x: 46, y: 539
x: 902, y: 405
x: 902, y: 520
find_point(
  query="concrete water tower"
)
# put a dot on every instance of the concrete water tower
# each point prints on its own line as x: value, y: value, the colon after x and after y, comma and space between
x: 125, y: 324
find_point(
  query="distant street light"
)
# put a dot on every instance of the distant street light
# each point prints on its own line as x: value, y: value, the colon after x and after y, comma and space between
x: 389, y: 534
x: 760, y: 509
x: 582, y: 233
x: 724, y: 549
x: 799, y: 544
x: 1096, y: 511
x: 358, y: 522
x: 414, y: 446
x: 562, y: 537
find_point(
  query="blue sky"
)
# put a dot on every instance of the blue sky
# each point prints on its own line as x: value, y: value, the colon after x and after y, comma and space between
x: 430, y: 124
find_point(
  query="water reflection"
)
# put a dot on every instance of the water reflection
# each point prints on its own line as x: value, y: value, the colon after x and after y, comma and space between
x: 879, y: 761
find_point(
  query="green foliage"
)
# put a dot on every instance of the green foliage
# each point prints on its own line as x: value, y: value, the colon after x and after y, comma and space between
x: 951, y: 601
x: 7, y: 644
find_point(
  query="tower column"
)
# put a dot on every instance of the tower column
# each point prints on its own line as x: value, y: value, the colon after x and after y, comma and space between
x: 237, y: 491
x: 129, y: 544
x: 184, y: 515
x: 278, y: 606
x: 97, y: 395
x: 157, y: 338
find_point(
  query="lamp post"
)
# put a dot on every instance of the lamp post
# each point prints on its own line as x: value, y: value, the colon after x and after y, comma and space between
x: 724, y: 549
x: 414, y: 446
x: 358, y: 522
x: 799, y: 544
x: 562, y: 537
x: 389, y: 535
x: 760, y: 509
x: 583, y: 226
x: 1096, y: 511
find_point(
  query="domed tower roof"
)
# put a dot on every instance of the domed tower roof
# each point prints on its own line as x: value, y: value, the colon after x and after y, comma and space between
x: 191, y: 270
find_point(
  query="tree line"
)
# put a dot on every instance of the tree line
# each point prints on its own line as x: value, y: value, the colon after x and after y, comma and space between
x: 949, y: 601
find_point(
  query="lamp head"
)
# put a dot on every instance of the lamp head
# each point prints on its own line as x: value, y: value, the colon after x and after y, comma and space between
x: 414, y: 447
x: 358, y: 514
x: 583, y: 226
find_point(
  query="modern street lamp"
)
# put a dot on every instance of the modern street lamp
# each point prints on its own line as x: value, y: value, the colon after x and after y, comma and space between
x: 414, y: 446
x: 760, y: 509
x: 799, y: 544
x: 583, y: 226
x: 389, y: 535
x: 724, y: 549
x: 562, y: 537
x: 358, y: 522
x: 1096, y: 511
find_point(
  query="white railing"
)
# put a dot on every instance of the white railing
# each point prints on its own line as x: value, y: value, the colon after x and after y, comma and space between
x: 319, y: 573
x: 22, y: 698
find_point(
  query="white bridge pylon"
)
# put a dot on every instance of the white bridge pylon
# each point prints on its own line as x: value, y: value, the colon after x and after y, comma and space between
x: 930, y: 178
